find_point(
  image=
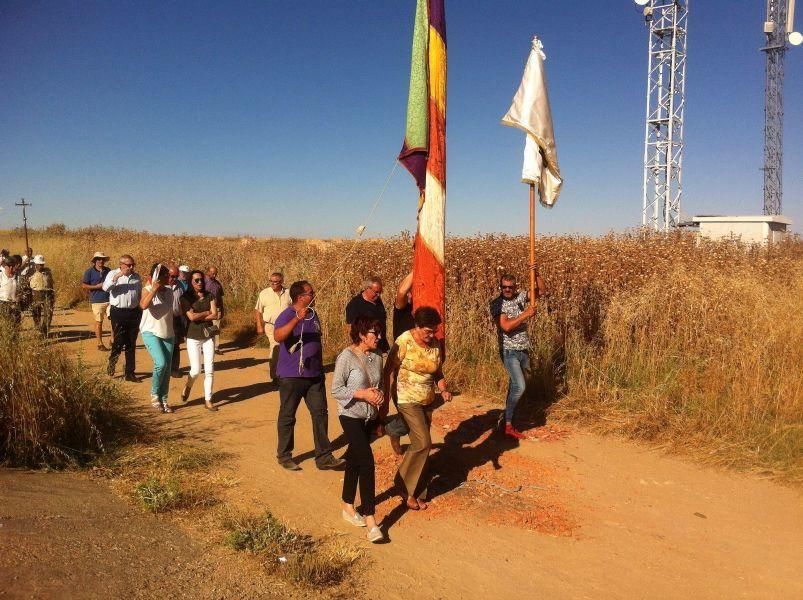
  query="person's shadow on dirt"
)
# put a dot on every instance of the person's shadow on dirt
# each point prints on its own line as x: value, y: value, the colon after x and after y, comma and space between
x: 453, y: 460
x: 460, y: 453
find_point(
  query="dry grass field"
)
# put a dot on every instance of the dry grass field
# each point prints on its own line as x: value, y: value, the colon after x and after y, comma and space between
x: 694, y: 345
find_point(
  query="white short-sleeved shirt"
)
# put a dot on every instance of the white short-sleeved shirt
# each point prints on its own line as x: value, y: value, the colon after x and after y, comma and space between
x: 270, y: 304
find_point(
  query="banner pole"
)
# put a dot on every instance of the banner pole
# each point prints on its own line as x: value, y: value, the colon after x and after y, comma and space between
x: 532, y: 243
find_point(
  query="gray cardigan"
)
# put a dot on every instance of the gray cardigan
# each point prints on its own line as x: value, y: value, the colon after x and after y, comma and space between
x: 349, y: 377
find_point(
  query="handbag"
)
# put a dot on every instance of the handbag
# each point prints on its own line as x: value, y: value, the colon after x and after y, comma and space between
x: 210, y: 331
x: 396, y: 426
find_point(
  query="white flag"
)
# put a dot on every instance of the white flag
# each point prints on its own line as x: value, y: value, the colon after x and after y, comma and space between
x: 530, y: 112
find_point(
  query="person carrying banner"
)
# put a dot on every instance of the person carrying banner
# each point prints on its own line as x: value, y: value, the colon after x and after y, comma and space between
x: 510, y: 312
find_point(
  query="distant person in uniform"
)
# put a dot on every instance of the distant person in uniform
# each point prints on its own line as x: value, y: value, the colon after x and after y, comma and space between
x: 44, y: 296
x: 92, y: 281
x: 368, y: 303
x: 270, y: 304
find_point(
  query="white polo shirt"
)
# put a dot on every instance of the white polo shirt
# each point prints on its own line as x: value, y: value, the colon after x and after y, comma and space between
x: 271, y: 304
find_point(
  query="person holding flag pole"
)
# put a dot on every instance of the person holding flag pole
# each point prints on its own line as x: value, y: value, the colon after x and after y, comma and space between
x: 531, y: 113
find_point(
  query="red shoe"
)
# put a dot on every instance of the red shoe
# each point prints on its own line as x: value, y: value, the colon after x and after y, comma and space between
x: 513, y: 432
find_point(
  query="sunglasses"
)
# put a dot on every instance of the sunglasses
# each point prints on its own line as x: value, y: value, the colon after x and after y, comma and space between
x: 376, y: 333
x: 275, y: 282
x: 307, y: 294
x: 128, y: 264
x: 507, y: 287
x: 197, y: 280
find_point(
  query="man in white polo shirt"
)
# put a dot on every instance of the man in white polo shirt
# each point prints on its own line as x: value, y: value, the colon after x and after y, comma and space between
x: 270, y: 303
x: 125, y: 290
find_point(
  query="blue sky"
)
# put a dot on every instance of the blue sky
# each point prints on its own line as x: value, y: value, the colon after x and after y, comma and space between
x: 285, y: 118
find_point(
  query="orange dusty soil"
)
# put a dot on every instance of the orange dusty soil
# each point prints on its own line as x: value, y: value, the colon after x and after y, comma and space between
x: 564, y: 513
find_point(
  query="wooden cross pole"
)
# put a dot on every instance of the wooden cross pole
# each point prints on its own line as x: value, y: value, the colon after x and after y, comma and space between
x: 24, y: 205
x: 532, y: 243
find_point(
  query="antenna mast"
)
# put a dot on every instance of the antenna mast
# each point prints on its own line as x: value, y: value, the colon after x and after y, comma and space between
x: 666, y: 101
x: 777, y: 27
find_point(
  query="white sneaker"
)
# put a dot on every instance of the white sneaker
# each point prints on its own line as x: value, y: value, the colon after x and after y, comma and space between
x: 156, y: 403
x: 357, y: 520
x: 375, y: 535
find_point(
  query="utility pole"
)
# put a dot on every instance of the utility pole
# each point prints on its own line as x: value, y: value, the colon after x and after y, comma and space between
x: 24, y: 205
x: 778, y: 26
x: 662, y: 188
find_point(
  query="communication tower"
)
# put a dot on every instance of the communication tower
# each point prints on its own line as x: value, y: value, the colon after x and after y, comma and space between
x: 666, y: 102
x: 778, y: 27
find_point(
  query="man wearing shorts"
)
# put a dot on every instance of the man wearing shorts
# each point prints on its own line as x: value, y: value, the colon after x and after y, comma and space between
x: 99, y: 300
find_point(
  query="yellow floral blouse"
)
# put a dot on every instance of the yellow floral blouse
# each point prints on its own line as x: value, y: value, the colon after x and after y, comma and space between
x: 417, y: 369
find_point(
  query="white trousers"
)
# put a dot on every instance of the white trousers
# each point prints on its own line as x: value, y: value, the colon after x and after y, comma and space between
x: 196, y: 348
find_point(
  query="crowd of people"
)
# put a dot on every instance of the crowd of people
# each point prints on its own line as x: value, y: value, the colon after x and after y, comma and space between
x: 174, y: 304
x: 26, y: 283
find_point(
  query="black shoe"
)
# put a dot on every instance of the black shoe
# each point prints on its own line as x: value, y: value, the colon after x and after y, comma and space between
x: 289, y: 464
x: 110, y: 368
x: 330, y: 463
x: 131, y: 377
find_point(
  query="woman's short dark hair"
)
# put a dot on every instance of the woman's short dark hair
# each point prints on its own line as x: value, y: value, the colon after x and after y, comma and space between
x: 426, y: 316
x: 298, y: 288
x: 361, y: 326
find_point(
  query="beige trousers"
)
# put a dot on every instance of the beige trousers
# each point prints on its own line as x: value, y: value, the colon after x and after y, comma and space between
x: 273, y: 352
x: 412, y: 470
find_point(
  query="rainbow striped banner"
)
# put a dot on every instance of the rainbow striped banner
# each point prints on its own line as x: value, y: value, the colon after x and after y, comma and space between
x: 424, y: 153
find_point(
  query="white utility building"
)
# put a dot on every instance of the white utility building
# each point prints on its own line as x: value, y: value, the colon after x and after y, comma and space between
x: 758, y: 229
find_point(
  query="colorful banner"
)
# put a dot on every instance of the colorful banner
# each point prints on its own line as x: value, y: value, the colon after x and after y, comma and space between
x: 424, y: 153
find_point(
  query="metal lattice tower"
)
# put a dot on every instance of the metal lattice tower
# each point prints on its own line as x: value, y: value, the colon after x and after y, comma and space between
x: 775, y: 30
x: 666, y: 101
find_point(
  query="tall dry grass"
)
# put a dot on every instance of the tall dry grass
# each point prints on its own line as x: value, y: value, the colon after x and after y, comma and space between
x: 693, y: 344
x: 54, y: 411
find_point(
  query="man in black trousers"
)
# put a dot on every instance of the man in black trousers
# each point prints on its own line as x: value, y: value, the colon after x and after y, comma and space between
x: 125, y: 290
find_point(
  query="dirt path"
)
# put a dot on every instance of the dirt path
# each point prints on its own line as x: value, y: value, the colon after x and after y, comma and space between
x: 64, y: 536
x: 566, y: 513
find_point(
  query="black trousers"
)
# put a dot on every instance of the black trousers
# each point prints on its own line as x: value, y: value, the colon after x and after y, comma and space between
x: 313, y: 391
x: 125, y: 329
x: 359, y: 463
x: 179, y: 331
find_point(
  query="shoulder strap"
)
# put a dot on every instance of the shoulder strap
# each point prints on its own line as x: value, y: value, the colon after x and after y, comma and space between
x: 364, y: 367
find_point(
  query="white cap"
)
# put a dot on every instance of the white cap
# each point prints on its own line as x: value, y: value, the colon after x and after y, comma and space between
x: 38, y: 259
x: 184, y: 269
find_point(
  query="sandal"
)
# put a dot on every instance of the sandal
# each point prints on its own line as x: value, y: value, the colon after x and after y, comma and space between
x: 209, y: 406
x: 167, y: 409
x: 412, y: 504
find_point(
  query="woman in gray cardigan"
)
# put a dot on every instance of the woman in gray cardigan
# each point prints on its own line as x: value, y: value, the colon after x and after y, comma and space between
x: 357, y: 387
